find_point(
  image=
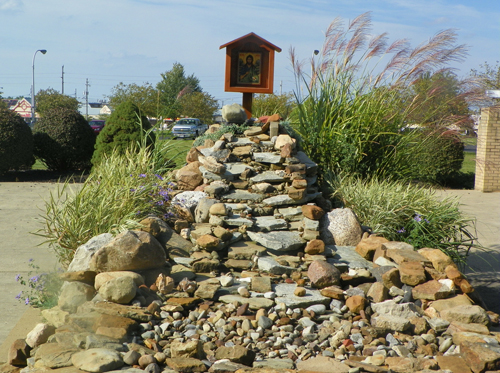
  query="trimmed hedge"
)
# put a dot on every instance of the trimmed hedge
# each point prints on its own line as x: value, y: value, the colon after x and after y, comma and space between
x: 64, y: 140
x: 16, y: 142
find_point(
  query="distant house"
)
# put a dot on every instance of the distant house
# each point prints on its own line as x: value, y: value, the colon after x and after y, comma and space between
x: 23, y: 108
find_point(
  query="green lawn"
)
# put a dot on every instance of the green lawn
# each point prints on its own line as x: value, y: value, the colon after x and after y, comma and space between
x: 469, y: 164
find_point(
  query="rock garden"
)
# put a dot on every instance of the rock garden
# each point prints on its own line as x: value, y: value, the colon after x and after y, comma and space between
x: 259, y: 274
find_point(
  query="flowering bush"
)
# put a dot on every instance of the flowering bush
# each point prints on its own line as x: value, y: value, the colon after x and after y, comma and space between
x: 43, y: 289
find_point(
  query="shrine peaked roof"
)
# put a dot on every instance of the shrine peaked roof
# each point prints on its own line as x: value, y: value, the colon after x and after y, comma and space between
x: 268, y: 44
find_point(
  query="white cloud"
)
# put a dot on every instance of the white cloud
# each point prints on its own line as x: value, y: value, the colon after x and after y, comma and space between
x: 11, y: 5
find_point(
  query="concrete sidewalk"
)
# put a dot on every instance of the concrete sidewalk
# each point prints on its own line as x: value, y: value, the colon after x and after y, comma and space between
x: 20, y: 205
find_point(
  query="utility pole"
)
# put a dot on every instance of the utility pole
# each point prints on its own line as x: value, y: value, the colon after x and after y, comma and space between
x: 62, y: 78
x: 87, y: 85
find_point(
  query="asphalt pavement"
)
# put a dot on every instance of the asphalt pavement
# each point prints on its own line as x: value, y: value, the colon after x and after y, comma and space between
x: 22, y: 204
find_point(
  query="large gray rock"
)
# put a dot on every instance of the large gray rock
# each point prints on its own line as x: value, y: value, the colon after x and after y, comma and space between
x: 97, y: 360
x: 278, y: 241
x: 119, y: 290
x: 83, y: 254
x: 234, y: 113
x: 189, y: 199
x: 129, y: 251
x: 201, y: 212
x: 73, y: 294
x: 466, y: 315
x: 341, y: 227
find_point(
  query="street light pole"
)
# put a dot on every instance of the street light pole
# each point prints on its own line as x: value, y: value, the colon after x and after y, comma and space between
x: 33, y: 87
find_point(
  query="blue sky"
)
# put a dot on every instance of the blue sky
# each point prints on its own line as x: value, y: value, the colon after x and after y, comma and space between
x: 134, y: 41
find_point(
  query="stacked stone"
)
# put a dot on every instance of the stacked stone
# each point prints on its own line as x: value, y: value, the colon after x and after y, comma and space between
x: 302, y: 288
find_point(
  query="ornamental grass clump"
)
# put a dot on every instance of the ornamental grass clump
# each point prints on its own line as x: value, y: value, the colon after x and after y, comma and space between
x: 407, y: 212
x: 120, y: 191
x: 352, y: 111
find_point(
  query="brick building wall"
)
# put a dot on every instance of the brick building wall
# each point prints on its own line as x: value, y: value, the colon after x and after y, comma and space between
x: 488, y: 151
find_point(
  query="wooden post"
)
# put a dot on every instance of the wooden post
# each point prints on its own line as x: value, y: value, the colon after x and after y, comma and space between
x: 247, y: 103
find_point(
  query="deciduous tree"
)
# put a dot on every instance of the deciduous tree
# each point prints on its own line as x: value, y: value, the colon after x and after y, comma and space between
x: 47, y: 99
x: 172, y: 87
x: 198, y: 105
x: 145, y: 97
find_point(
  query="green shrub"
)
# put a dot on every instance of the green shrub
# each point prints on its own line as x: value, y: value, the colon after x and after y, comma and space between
x: 235, y: 129
x: 63, y: 140
x: 442, y: 159
x: 124, y: 128
x: 406, y: 212
x: 16, y: 142
x: 120, y: 191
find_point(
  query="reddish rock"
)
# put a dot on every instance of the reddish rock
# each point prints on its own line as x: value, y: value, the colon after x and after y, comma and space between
x: 296, y: 194
x: 315, y: 247
x: 377, y: 292
x: 438, y: 259
x: 192, y: 155
x: 479, y: 357
x: 455, y: 364
x: 356, y: 303
x: 312, y: 212
x: 189, y: 177
x: 367, y: 246
x: 287, y: 151
x: 412, y: 273
x: 334, y: 292
x: 322, y: 274
x: 431, y: 290
x: 392, y: 278
x: 208, y: 242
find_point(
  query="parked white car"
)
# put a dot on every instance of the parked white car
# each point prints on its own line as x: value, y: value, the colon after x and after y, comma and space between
x: 188, y: 127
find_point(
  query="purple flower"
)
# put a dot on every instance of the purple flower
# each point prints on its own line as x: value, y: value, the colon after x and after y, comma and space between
x: 159, y: 176
x: 142, y: 175
x: 427, y: 221
x: 30, y: 260
x: 18, y: 296
x: 34, y: 279
x: 418, y: 218
x: 27, y: 301
x: 402, y: 230
x: 18, y: 277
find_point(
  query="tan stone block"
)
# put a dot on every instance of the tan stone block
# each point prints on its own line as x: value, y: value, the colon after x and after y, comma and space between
x: 367, y: 246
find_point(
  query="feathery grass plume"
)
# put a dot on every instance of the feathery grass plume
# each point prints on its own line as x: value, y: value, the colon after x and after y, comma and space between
x: 352, y: 110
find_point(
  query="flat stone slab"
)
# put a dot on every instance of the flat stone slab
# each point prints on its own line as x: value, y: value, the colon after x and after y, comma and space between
x: 213, y: 176
x: 284, y: 199
x: 291, y: 213
x: 253, y: 303
x: 266, y: 157
x: 269, y: 177
x: 244, y: 250
x: 278, y: 241
x: 237, y: 221
x: 284, y: 293
x: 270, y: 223
x: 270, y: 265
x: 347, y: 257
x: 311, y: 167
x: 242, y: 195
